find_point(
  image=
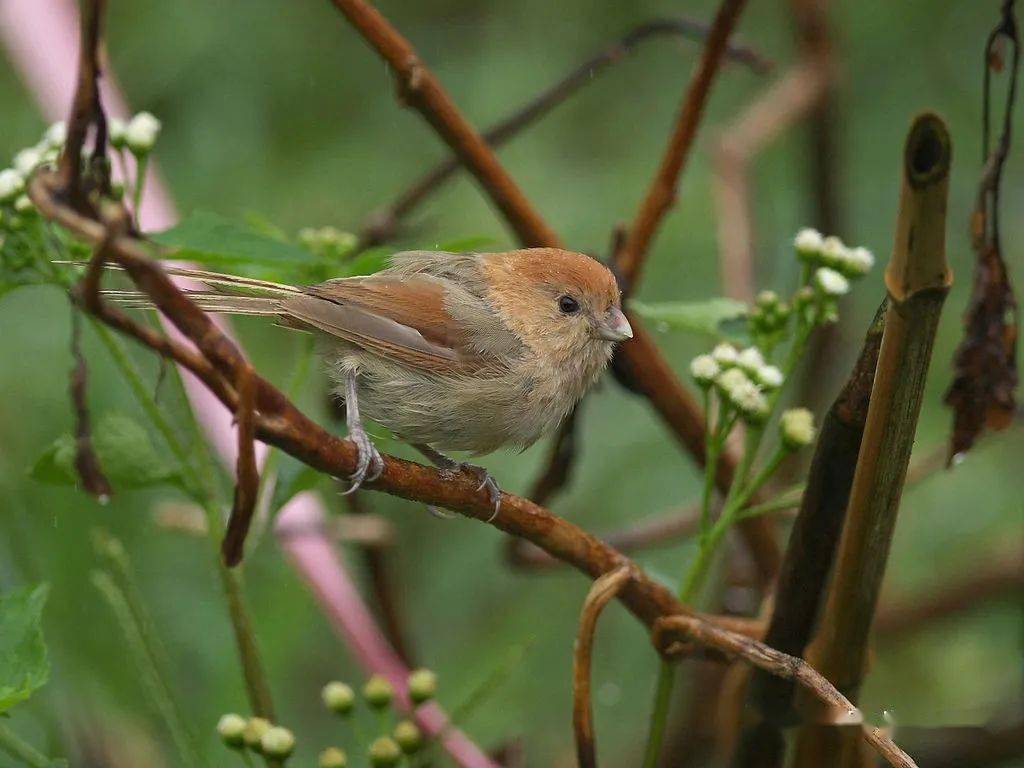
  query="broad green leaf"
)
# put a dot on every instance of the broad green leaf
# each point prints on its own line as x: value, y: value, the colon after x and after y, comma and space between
x: 366, y: 263
x: 706, y: 317
x: 24, y: 666
x: 125, y: 451
x: 208, y: 238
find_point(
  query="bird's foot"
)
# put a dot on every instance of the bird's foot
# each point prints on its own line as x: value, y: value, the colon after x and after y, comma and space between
x: 370, y: 464
x: 449, y: 464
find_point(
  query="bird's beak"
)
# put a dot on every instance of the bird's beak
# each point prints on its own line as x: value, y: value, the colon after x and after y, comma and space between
x: 614, y: 326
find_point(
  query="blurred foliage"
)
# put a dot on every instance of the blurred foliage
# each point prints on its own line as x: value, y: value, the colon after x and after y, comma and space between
x: 279, y: 108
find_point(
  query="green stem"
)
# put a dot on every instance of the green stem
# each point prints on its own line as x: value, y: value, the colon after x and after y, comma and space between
x: 159, y: 693
x: 659, y: 718
x: 141, y: 165
x: 21, y: 750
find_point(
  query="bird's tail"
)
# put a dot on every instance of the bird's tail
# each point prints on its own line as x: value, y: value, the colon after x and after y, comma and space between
x: 227, y: 294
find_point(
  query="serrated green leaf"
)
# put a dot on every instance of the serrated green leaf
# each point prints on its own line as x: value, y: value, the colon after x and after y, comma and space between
x: 707, y: 317
x: 209, y: 238
x: 125, y: 451
x: 24, y: 666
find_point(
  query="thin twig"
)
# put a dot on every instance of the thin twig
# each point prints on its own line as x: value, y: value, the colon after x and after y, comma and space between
x: 662, y: 192
x: 247, y: 476
x: 382, y: 225
x: 87, y: 464
x: 601, y: 591
x: 841, y: 709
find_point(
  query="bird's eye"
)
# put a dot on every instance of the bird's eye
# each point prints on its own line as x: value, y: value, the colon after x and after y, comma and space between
x: 567, y: 305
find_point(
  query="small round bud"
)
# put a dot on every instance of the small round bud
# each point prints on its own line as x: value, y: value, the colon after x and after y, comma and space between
x: 808, y: 243
x: 796, y: 427
x: 332, y: 757
x: 752, y: 405
x: 11, y: 185
x: 338, y: 697
x: 767, y: 299
x: 831, y: 282
x: 117, y: 132
x: 750, y: 360
x: 704, y: 369
x: 56, y: 135
x: 833, y: 252
x: 231, y: 729
x: 384, y: 753
x: 729, y: 379
x: 859, y: 262
x: 254, y: 730
x: 725, y: 354
x: 803, y: 298
x: 422, y: 685
x: 769, y: 377
x: 277, y: 742
x: 27, y: 160
x: 23, y: 205
x: 378, y: 692
x: 141, y: 133
x: 408, y: 737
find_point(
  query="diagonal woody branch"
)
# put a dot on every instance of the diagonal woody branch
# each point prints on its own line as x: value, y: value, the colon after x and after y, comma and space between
x: 640, y: 364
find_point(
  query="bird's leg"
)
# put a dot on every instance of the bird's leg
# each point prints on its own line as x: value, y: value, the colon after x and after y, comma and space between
x: 441, y: 461
x: 370, y: 464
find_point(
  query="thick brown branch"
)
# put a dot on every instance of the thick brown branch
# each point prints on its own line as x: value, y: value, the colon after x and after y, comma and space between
x: 603, y: 589
x: 842, y: 711
x: 662, y: 191
x: 383, y: 224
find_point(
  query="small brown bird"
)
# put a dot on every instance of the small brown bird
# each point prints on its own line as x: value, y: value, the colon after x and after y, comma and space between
x: 450, y: 351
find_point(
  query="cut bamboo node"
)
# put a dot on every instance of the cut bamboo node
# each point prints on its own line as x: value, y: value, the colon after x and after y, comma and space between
x: 919, y: 255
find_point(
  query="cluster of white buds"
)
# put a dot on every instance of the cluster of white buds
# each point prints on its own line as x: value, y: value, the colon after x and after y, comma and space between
x: 796, y: 428
x: 138, y: 135
x: 833, y: 253
x: 327, y: 242
x: 741, y: 377
x: 256, y: 734
x: 24, y: 163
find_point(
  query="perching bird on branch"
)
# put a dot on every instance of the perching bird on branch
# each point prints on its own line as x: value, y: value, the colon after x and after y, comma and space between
x: 449, y: 351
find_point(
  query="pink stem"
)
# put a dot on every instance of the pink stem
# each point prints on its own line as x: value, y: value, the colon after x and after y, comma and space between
x: 41, y: 38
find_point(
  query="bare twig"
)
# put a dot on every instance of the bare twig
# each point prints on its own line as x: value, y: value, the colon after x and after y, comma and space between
x: 662, y: 192
x: 383, y: 224
x: 670, y: 630
x: 87, y: 464
x: 418, y: 88
x: 781, y: 105
x: 601, y: 591
x: 247, y: 476
x: 917, y: 279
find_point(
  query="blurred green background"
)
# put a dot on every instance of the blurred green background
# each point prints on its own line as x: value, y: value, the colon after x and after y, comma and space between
x: 279, y: 107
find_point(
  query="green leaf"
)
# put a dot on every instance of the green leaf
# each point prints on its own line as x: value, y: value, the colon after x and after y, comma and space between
x: 208, y: 238
x: 463, y: 244
x: 707, y: 317
x: 366, y: 263
x: 24, y: 666
x: 125, y: 451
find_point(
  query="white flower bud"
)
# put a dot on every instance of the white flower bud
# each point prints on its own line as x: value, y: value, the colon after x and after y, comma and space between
x: 729, y: 380
x: 705, y: 369
x: 11, y: 184
x: 796, y: 426
x: 725, y: 354
x: 859, y: 261
x: 831, y: 282
x: 277, y: 742
x: 141, y: 133
x: 750, y: 360
x: 338, y: 697
x: 767, y: 299
x: 332, y: 757
x: 808, y: 243
x: 769, y: 377
x: 56, y: 135
x: 231, y: 729
x: 833, y: 252
x: 117, y: 130
x: 23, y: 204
x: 753, y: 405
x: 27, y: 160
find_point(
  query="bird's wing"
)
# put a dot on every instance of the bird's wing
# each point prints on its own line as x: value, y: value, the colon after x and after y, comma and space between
x: 404, y: 318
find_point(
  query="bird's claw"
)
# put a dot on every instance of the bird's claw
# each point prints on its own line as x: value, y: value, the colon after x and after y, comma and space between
x: 370, y: 464
x: 486, y: 481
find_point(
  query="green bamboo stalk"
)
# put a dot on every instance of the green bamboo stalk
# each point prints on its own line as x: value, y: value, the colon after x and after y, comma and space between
x: 918, y: 280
